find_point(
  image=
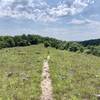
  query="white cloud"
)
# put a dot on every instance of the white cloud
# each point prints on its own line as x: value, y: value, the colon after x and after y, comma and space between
x: 77, y: 22
x: 40, y: 10
x: 93, y: 24
x: 86, y: 22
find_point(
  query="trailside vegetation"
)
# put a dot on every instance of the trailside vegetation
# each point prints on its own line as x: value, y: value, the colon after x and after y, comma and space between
x: 26, y: 40
x: 88, y: 47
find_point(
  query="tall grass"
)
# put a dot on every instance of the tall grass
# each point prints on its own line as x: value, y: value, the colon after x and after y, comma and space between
x: 20, y: 73
x: 74, y: 76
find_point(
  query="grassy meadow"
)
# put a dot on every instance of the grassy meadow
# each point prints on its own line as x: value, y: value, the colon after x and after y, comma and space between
x: 20, y: 72
x: 74, y: 76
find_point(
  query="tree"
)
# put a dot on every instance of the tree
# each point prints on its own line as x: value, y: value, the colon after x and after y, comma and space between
x: 17, y: 40
x: 75, y: 47
x: 46, y: 44
x: 10, y: 42
x: 67, y: 45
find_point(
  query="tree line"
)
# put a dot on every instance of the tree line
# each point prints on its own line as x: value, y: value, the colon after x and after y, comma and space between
x: 22, y: 40
x: 26, y: 40
x: 91, y: 46
x: 92, y: 42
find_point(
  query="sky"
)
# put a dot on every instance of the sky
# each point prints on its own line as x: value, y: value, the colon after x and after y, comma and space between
x: 68, y: 20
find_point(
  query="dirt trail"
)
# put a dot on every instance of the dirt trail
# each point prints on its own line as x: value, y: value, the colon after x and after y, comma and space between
x: 46, y: 82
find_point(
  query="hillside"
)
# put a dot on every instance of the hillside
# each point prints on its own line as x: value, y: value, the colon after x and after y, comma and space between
x: 20, y: 73
x: 91, y: 42
x: 74, y: 76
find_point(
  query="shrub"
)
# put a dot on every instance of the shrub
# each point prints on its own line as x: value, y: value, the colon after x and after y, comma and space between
x: 75, y: 47
x: 46, y: 44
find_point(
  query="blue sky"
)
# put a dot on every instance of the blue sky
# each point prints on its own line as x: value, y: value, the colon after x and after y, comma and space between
x: 61, y: 19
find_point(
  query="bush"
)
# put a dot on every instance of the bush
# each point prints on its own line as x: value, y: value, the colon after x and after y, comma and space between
x: 24, y: 43
x: 46, y: 44
x: 87, y: 51
x: 10, y: 42
x: 75, y: 47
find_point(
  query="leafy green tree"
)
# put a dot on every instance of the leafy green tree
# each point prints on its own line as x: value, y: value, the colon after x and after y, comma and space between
x: 75, y: 47
x: 17, y: 40
x: 10, y: 42
x: 46, y: 44
x: 67, y: 45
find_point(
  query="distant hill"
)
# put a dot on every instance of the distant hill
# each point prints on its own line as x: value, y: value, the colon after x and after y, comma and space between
x: 92, y: 42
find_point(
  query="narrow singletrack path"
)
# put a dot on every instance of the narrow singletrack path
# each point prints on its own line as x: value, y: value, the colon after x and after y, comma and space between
x: 46, y: 83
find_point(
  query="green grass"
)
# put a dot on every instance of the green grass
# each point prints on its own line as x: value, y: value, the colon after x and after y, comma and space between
x: 74, y: 76
x: 20, y: 72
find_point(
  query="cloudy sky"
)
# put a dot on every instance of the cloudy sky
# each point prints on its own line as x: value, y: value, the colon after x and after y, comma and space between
x: 62, y: 19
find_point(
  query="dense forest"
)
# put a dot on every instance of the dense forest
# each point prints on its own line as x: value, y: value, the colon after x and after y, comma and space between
x: 88, y: 47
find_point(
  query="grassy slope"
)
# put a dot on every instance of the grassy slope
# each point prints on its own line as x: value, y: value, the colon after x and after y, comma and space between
x: 75, y: 76
x: 20, y: 73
